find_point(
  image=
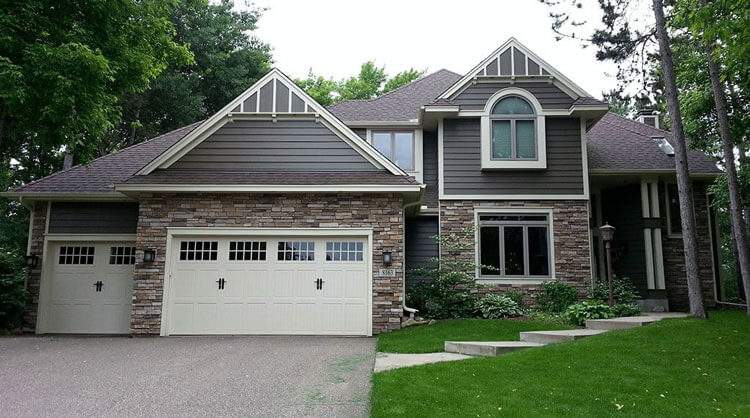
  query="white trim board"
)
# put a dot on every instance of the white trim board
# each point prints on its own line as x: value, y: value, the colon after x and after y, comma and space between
x: 220, y: 118
x: 230, y: 188
x: 176, y: 232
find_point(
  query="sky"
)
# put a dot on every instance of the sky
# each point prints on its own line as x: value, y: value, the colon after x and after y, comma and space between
x: 334, y: 37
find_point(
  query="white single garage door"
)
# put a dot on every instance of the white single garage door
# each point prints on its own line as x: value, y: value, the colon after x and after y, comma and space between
x: 89, y: 287
x: 267, y: 285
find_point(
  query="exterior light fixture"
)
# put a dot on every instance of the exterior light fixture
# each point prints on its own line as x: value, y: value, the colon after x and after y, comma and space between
x: 387, y: 258
x: 32, y: 261
x: 608, y: 234
x: 149, y: 255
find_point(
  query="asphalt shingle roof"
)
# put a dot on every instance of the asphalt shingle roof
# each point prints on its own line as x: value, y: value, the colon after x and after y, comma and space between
x: 99, y: 175
x: 399, y: 105
x: 618, y: 144
x: 176, y: 176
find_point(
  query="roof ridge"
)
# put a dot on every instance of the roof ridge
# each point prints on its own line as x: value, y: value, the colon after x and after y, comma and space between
x: 107, y: 155
x: 631, y: 121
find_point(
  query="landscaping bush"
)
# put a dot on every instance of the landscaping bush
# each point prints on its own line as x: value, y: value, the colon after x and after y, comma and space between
x: 517, y: 296
x: 623, y: 290
x: 556, y: 296
x: 12, y: 301
x: 590, y: 309
x: 446, y: 287
x: 626, y: 309
x: 495, y: 306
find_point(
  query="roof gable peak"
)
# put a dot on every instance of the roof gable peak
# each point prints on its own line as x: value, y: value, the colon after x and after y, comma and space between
x: 513, y: 60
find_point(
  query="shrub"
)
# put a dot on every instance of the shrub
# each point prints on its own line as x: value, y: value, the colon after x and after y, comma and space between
x: 590, y: 309
x: 556, y: 296
x: 517, y: 296
x: 626, y: 309
x: 623, y: 290
x: 555, y: 318
x: 12, y: 301
x: 495, y: 306
x: 446, y: 287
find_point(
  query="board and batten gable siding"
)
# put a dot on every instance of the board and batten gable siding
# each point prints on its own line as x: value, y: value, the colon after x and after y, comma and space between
x: 549, y: 95
x: 93, y: 218
x: 420, y: 241
x: 265, y: 145
x: 463, y: 175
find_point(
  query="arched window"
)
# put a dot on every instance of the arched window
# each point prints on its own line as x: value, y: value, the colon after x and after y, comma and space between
x: 513, y: 127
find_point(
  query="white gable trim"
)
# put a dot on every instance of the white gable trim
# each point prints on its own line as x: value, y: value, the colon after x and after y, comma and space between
x: 479, y: 70
x: 221, y: 117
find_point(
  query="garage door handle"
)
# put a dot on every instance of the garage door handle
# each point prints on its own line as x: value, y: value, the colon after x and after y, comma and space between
x: 221, y: 283
x: 98, y: 286
x: 319, y: 283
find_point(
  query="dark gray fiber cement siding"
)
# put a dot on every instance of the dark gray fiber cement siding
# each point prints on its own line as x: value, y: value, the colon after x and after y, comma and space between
x: 462, y: 173
x: 420, y: 242
x: 93, y: 218
x: 284, y: 145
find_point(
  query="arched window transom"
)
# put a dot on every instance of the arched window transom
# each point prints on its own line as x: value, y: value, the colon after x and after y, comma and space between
x: 513, y: 129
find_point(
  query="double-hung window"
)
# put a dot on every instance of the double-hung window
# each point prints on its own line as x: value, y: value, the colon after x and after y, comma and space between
x: 515, y: 245
x: 397, y: 146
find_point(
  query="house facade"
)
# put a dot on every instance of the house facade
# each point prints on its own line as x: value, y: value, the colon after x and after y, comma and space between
x: 280, y: 216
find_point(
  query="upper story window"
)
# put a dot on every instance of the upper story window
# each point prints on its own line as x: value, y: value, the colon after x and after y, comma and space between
x: 512, y: 131
x: 397, y: 146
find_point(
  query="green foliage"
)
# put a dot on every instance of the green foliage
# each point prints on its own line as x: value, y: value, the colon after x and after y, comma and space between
x: 578, y: 313
x: 371, y: 82
x: 516, y: 296
x: 623, y: 290
x: 446, y: 287
x: 626, y: 309
x: 495, y: 306
x: 12, y: 300
x: 556, y: 296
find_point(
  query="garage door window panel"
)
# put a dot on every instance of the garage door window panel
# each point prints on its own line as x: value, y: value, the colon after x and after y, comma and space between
x: 247, y: 251
x: 76, y: 255
x: 121, y: 255
x: 344, y: 251
x: 296, y: 251
x: 199, y: 250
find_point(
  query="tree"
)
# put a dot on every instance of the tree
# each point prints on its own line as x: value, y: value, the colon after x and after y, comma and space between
x: 720, y: 100
x: 228, y: 59
x: 627, y: 40
x: 371, y: 82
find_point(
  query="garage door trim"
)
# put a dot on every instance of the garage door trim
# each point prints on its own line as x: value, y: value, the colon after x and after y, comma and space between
x: 48, y: 260
x: 174, y: 233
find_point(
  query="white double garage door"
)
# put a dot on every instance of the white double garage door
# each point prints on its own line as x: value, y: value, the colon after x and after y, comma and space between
x: 238, y: 284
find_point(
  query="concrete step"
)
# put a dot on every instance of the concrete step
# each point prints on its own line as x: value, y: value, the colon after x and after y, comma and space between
x: 551, y: 337
x: 626, y: 322
x: 487, y: 348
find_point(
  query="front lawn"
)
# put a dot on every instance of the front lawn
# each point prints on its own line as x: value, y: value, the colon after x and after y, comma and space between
x: 430, y: 338
x: 677, y: 367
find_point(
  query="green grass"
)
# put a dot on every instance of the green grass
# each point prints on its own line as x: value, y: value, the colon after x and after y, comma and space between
x: 677, y: 368
x: 430, y: 338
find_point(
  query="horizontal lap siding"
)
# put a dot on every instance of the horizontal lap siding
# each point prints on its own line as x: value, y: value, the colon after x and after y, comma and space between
x: 462, y: 173
x: 420, y: 241
x: 303, y: 145
x: 93, y: 218
x: 430, y: 162
x: 550, y: 96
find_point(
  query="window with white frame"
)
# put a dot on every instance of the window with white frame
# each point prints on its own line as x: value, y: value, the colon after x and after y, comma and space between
x: 397, y: 146
x: 514, y: 245
x: 513, y: 131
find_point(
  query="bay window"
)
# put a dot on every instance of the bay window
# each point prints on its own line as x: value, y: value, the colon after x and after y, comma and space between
x: 515, y: 245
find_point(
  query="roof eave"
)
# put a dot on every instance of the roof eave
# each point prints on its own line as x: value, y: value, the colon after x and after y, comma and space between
x: 249, y: 188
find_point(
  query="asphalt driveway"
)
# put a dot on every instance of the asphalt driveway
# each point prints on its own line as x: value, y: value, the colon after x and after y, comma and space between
x: 271, y: 376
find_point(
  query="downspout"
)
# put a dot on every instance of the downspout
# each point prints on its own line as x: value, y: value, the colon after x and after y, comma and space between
x: 412, y: 311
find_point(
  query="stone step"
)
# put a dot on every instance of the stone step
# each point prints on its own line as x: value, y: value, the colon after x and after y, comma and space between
x: 551, y: 337
x: 487, y: 348
x: 626, y: 322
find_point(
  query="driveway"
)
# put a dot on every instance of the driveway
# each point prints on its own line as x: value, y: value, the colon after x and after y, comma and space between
x: 271, y: 376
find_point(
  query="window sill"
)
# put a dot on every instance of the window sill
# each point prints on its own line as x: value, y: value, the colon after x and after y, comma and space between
x: 514, y: 280
x: 514, y: 165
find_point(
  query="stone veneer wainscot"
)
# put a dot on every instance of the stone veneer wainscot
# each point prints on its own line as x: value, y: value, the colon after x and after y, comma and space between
x: 381, y: 212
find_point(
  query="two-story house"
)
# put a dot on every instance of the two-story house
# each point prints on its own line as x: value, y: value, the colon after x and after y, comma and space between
x: 278, y: 215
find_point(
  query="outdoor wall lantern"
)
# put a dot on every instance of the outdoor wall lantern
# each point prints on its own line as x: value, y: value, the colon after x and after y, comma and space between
x: 32, y: 261
x: 149, y: 255
x: 387, y: 258
x: 608, y: 233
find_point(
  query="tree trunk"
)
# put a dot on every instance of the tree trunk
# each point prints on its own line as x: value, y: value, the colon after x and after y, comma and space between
x: 735, y: 201
x: 684, y: 187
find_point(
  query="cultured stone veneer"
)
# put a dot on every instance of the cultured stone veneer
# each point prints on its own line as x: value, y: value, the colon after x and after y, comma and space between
x: 39, y: 227
x: 570, y: 222
x: 381, y: 212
